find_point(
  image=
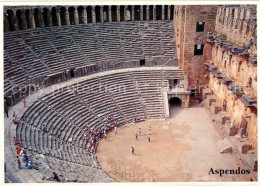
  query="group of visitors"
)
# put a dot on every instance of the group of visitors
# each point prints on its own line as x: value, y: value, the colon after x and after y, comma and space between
x: 138, y: 118
x: 95, y: 134
x: 22, y: 153
x: 139, y: 132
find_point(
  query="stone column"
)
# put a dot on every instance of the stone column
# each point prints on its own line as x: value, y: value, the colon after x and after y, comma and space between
x: 102, y: 13
x: 154, y: 12
x: 163, y: 9
x: 58, y: 17
x: 125, y: 14
x: 141, y: 13
x: 24, y: 23
x: 133, y: 12
x: 109, y: 14
x: 76, y: 16
x: 67, y: 16
x: 169, y: 12
x: 6, y: 23
x: 50, y: 18
x: 16, y: 24
x: 32, y: 21
x: 147, y: 13
x: 93, y: 14
x: 85, y: 17
x: 41, y: 20
x: 118, y: 13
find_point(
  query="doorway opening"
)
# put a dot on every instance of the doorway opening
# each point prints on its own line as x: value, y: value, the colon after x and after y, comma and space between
x: 225, y: 105
x: 72, y: 73
x: 193, y: 93
x: 142, y: 62
x: 243, y: 126
x: 175, y: 102
x: 174, y: 106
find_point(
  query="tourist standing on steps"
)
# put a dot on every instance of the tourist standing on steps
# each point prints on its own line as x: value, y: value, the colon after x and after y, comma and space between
x: 6, y: 132
x: 56, y: 177
x: 6, y: 111
x: 15, y: 140
x: 24, y: 102
x: 14, y: 115
x: 16, y: 120
x: 26, y: 159
x: 133, y: 150
x: 30, y: 165
x: 5, y: 167
x: 18, y: 150
x: 19, y: 163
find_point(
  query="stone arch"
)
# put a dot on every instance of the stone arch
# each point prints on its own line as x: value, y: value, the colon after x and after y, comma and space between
x: 175, y: 101
x: 166, y: 12
x: 46, y: 18
x: 63, y: 15
x: 122, y: 13
x: 129, y: 13
x: 114, y: 13
x: 28, y: 15
x: 106, y: 13
x: 158, y: 12
x: 37, y: 17
x: 232, y: 12
x: 54, y: 17
x: 172, y: 11
x: 11, y: 19
x: 89, y: 14
x: 71, y: 15
x: 150, y: 12
x: 144, y: 13
x: 97, y: 12
x: 6, y: 23
x: 137, y: 9
x: 81, y: 14
x: 20, y: 19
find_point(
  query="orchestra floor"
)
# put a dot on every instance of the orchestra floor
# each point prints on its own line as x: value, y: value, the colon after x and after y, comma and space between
x: 182, y: 148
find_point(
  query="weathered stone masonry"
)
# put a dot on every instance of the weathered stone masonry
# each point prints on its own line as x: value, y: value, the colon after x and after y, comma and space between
x: 232, y: 91
x: 186, y: 19
x: 224, y: 74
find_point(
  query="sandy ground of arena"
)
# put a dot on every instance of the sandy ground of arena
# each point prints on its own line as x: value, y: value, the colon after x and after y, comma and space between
x: 182, y: 148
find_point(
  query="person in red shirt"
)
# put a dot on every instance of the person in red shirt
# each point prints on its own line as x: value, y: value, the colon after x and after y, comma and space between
x: 16, y: 120
x: 56, y: 177
x: 18, y: 150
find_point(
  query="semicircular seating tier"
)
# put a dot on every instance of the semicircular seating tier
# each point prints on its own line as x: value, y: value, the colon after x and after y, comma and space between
x: 52, y: 128
x: 45, y: 56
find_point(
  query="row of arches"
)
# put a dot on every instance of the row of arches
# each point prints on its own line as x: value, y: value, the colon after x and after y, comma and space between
x: 40, y: 17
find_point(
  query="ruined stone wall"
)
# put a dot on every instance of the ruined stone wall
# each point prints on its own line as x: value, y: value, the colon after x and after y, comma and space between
x: 235, y: 108
x: 186, y: 19
x: 233, y: 63
x: 236, y: 67
x: 179, y: 21
x: 236, y: 23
